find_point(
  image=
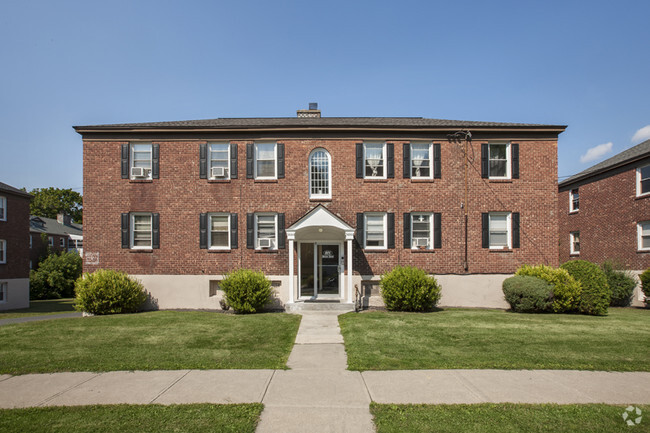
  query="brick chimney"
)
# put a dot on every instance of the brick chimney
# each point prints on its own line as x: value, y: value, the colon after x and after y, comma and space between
x: 312, y: 112
x: 64, y: 219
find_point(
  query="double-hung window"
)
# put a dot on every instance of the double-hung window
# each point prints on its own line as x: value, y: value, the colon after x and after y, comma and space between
x: 574, y: 242
x: 219, y: 160
x: 375, y: 226
x: 499, y: 161
x: 643, y: 229
x: 266, y: 231
x: 499, y: 230
x: 219, y: 231
x: 421, y: 161
x: 374, y: 159
x: 266, y: 160
x: 3, y: 251
x: 421, y: 230
x: 320, y: 175
x: 50, y: 241
x: 3, y: 208
x: 141, y: 231
x: 643, y: 180
x: 62, y: 243
x: 141, y: 160
x: 574, y: 200
x: 3, y: 292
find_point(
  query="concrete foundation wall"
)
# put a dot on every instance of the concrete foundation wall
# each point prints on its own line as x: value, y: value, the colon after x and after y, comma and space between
x: 17, y: 294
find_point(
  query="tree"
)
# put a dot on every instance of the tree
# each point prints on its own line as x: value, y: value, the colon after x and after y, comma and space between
x: 48, y: 202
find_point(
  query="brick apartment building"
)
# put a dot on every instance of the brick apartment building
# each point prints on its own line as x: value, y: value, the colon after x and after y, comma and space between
x: 49, y: 235
x: 604, y: 212
x: 14, y: 248
x: 319, y: 204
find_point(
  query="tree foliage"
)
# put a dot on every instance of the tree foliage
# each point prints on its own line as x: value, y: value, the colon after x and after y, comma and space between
x: 55, y: 277
x: 48, y: 202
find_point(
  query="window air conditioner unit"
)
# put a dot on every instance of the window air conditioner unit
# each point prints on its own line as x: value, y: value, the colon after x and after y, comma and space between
x: 422, y: 242
x: 137, y: 171
x: 218, y: 172
x: 264, y: 243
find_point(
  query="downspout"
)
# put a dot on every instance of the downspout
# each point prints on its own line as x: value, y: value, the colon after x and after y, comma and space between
x: 466, y: 201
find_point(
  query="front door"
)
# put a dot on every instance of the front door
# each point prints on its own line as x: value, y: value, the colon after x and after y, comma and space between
x: 320, y: 270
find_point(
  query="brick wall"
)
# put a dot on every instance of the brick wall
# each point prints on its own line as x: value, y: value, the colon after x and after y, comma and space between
x: 39, y: 249
x: 15, y: 230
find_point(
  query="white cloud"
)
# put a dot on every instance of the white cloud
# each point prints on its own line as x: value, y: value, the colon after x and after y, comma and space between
x: 597, y: 152
x: 642, y: 134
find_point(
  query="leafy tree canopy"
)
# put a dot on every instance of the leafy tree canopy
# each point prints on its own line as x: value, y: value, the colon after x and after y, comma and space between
x: 48, y: 202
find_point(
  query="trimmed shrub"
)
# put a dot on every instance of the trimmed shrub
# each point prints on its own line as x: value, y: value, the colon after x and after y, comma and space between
x: 528, y: 294
x: 621, y: 285
x: 106, y: 291
x: 566, y: 290
x: 595, y: 295
x: 645, y: 285
x: 406, y: 288
x: 246, y: 291
x: 55, y: 277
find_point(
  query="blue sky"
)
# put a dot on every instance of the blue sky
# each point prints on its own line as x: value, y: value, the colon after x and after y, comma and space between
x: 583, y: 64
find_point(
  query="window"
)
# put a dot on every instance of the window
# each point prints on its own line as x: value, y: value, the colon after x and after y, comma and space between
x: 141, y: 161
x: 3, y: 251
x: 574, y: 241
x: 219, y: 160
x: 50, y: 241
x: 266, y: 231
x: 31, y: 241
x: 265, y: 161
x: 574, y: 200
x: 320, y: 175
x: 374, y: 160
x: 62, y: 242
x: 219, y: 231
x: 4, y: 287
x: 499, y: 230
x: 643, y: 229
x: 499, y: 168
x: 3, y: 208
x: 643, y: 180
x: 375, y: 226
x: 421, y: 161
x: 421, y: 230
x: 141, y: 230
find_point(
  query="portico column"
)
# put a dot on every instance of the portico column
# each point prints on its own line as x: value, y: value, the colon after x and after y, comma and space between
x: 291, y: 237
x: 349, y: 237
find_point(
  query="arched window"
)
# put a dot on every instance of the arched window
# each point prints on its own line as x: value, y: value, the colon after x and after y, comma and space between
x: 320, y: 174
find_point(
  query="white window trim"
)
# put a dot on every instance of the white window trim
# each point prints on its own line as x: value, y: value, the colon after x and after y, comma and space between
x: 275, y: 159
x: 430, y: 176
x: 384, y: 216
x: 430, y: 214
x: 508, y: 230
x: 383, y: 156
x: 218, y: 214
x: 132, y: 161
x: 508, y: 161
x: 62, y: 242
x: 275, y: 221
x: 572, y: 251
x: 4, y: 288
x: 50, y: 241
x: 571, y: 209
x: 638, y: 182
x: 329, y: 175
x: 3, y: 256
x: 3, y: 205
x: 639, y: 232
x: 227, y: 169
x: 132, y: 230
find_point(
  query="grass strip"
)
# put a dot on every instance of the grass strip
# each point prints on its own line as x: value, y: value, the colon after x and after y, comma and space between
x: 41, y: 308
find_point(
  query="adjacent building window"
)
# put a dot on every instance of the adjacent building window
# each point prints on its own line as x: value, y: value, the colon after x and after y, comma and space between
x: 643, y: 180
x: 50, y: 241
x: 266, y: 160
x: 266, y: 231
x: 374, y: 160
x: 421, y: 230
x: 499, y: 230
x: 499, y: 161
x: 643, y: 229
x: 62, y: 242
x: 219, y: 160
x: 574, y: 200
x: 574, y: 242
x: 141, y: 161
x: 4, y: 288
x: 3, y: 208
x: 320, y: 174
x: 31, y: 241
x: 141, y: 231
x: 219, y: 231
x: 375, y: 230
x: 421, y: 161
x: 3, y: 251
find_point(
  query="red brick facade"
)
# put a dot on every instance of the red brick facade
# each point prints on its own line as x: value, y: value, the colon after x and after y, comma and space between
x: 15, y: 231
x: 39, y: 250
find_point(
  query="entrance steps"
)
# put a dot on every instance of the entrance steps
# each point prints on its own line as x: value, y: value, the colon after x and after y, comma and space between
x: 295, y: 307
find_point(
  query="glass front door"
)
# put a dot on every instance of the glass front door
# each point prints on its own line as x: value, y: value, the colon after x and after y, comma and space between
x: 319, y: 270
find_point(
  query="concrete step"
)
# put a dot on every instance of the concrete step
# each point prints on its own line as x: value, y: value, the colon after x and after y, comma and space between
x: 319, y: 306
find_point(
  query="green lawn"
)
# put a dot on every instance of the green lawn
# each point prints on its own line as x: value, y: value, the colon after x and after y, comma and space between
x: 505, y: 418
x: 41, y: 308
x: 158, y: 340
x: 457, y: 338
x: 199, y: 418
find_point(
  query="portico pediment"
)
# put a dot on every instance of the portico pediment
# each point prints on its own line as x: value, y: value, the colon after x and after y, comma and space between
x: 320, y: 217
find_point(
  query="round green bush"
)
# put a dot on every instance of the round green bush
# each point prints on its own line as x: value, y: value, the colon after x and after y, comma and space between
x: 246, y: 291
x: 528, y: 294
x: 55, y: 277
x: 109, y: 292
x: 595, y: 295
x: 409, y: 289
x: 621, y: 285
x: 645, y: 285
x: 566, y: 290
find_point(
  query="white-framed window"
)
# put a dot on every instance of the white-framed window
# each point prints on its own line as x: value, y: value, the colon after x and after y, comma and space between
x: 643, y: 180
x: 574, y: 242
x: 266, y: 160
x: 141, y: 231
x: 31, y: 241
x: 320, y: 174
x: 266, y: 231
x: 4, y: 288
x: 50, y: 241
x: 219, y: 160
x: 421, y: 230
x: 375, y: 227
x: 374, y: 160
x: 219, y: 234
x: 141, y: 161
x: 421, y: 161
x: 3, y: 208
x: 61, y: 242
x: 3, y: 251
x: 643, y: 230
x: 574, y: 200
x: 500, y: 230
x: 499, y: 161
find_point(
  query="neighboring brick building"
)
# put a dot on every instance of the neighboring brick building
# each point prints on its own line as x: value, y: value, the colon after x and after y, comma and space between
x: 53, y: 235
x: 604, y: 211
x: 14, y: 248
x: 307, y: 199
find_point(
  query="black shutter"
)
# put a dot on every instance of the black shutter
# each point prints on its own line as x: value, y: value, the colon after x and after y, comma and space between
x: 125, y: 161
x: 484, y: 161
x: 126, y: 235
x: 436, y: 161
x: 515, y: 160
x: 282, y: 236
x: 515, y: 230
x: 485, y: 229
x: 249, y: 162
x: 406, y: 161
x: 437, y: 230
x: 203, y: 231
x: 155, y: 231
x: 390, y: 222
x: 233, y: 161
x: 250, y: 227
x: 155, y: 161
x: 360, y: 232
x: 359, y: 160
x: 281, y: 161
x: 234, y: 232
x: 390, y: 161
x: 203, y: 161
x: 407, y: 230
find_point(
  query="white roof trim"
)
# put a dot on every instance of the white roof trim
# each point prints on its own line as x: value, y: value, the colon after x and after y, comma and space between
x: 320, y: 217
